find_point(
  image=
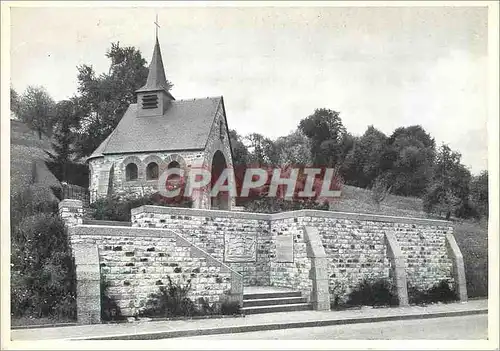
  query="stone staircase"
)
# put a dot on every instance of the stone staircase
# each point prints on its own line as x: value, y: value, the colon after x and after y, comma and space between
x: 269, y: 301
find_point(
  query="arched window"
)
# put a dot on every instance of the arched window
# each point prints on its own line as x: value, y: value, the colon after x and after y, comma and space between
x: 131, y: 171
x: 174, y: 164
x: 152, y: 171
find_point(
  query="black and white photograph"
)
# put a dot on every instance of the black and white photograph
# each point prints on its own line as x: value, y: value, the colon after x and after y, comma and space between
x: 192, y: 175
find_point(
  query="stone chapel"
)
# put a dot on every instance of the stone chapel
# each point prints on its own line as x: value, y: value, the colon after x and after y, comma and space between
x: 159, y: 132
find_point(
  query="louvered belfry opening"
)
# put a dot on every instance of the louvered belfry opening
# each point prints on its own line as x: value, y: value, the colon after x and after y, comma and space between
x: 149, y: 101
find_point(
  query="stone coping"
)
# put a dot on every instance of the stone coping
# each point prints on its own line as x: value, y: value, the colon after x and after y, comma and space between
x: 184, y: 211
x: 286, y: 215
x: 103, y: 230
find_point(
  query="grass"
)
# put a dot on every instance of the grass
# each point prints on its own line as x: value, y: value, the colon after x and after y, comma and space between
x: 25, y: 148
x: 359, y: 200
x: 472, y: 238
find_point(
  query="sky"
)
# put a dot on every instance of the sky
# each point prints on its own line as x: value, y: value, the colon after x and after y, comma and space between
x: 380, y: 66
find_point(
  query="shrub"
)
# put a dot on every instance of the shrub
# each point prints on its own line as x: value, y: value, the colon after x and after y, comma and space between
x: 275, y: 205
x: 440, y: 292
x: 373, y: 293
x: 207, y: 309
x: 171, y: 301
x: 337, y: 294
x: 43, y: 275
x: 230, y: 308
x: 32, y: 200
x: 118, y: 208
x: 109, y: 308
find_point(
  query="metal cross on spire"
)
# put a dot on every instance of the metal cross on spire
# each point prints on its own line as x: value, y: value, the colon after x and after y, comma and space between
x: 157, y: 26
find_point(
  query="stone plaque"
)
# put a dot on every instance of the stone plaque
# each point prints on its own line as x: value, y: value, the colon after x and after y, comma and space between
x: 284, y: 248
x: 240, y: 247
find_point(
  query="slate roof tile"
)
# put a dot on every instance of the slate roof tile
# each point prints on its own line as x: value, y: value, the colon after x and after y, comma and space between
x: 185, y: 125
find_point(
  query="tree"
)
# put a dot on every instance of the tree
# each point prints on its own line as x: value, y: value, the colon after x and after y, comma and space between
x: 380, y: 190
x: 325, y: 131
x: 68, y: 118
x: 448, y: 190
x: 362, y: 162
x: 294, y: 149
x: 37, y: 109
x: 14, y: 101
x: 479, y: 193
x: 240, y: 151
x: 262, y: 150
x: 106, y: 97
x: 408, y: 159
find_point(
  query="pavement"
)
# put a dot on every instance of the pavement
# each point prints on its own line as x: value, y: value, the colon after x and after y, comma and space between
x: 151, y: 330
x: 473, y: 327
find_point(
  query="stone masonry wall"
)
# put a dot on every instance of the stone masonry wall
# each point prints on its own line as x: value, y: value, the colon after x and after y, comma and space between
x: 213, y: 231
x: 136, y: 262
x: 290, y: 274
x: 354, y: 244
x: 356, y: 249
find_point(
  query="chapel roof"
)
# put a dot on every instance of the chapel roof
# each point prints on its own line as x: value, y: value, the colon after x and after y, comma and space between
x: 185, y: 125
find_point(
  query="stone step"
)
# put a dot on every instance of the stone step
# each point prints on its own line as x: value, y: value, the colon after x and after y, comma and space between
x: 271, y: 295
x: 277, y: 308
x: 273, y: 301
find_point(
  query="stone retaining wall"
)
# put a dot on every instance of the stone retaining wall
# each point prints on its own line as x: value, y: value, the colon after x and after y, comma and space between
x: 135, y: 262
x: 223, y: 250
x: 222, y: 234
x: 355, y: 244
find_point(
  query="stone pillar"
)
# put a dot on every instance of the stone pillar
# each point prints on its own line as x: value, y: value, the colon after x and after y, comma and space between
x: 458, y: 267
x: 398, y: 263
x: 71, y: 211
x: 88, y: 283
x: 320, y: 295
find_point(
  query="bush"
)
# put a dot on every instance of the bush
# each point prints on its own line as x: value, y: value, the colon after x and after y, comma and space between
x: 43, y: 275
x: 171, y: 301
x: 32, y: 200
x: 118, y: 209
x: 373, y: 293
x: 110, y: 310
x: 230, y: 308
x: 440, y: 292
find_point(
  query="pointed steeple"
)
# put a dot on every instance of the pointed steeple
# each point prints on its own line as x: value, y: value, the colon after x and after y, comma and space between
x: 154, y: 98
x: 156, y: 77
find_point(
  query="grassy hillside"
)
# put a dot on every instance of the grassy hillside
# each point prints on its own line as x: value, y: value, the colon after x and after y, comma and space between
x: 27, y: 156
x: 471, y: 236
x: 355, y: 199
